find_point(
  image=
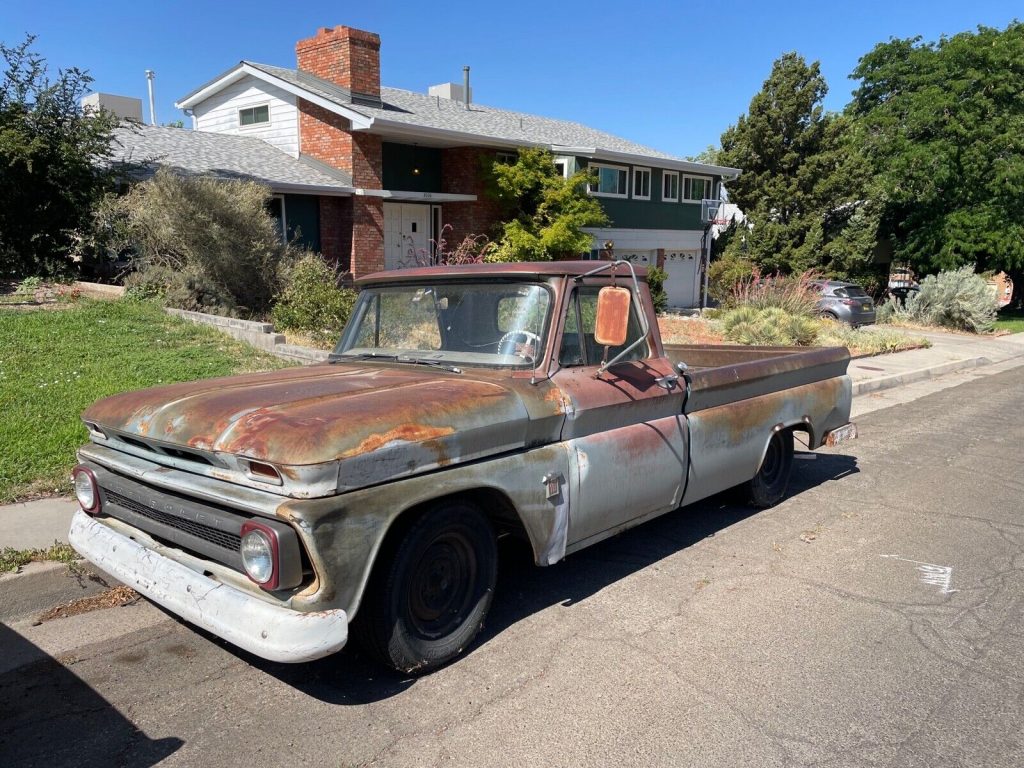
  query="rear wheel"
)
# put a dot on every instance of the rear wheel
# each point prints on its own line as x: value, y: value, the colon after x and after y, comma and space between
x: 772, y: 478
x: 428, y: 600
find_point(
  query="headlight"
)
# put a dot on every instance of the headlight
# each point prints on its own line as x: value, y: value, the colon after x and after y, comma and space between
x: 85, y: 489
x: 258, y: 555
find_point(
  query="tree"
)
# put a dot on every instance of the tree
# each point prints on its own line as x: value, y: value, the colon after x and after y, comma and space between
x: 49, y: 152
x: 943, y: 126
x: 544, y: 213
x: 802, y: 185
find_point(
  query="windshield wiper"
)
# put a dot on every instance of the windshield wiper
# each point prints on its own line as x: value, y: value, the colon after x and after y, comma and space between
x: 428, y: 361
x: 336, y: 358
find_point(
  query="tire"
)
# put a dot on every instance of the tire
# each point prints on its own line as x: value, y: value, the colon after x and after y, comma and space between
x: 769, y: 484
x: 427, y: 600
x: 830, y: 316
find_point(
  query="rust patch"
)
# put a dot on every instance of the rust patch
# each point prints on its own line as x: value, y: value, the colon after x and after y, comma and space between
x: 555, y: 397
x: 407, y: 433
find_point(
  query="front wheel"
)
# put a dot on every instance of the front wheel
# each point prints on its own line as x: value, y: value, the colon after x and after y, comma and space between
x: 772, y: 478
x: 428, y: 601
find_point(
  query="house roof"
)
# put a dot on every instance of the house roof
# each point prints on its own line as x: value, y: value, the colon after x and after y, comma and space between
x: 417, y: 115
x: 141, y: 149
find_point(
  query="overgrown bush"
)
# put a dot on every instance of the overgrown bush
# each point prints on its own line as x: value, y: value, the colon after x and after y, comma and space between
x: 187, y: 288
x: 771, y: 326
x: 957, y: 299
x: 212, y: 242
x: 656, y: 278
x: 725, y: 273
x: 312, y: 302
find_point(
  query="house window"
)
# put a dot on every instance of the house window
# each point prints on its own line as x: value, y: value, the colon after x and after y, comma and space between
x: 506, y: 158
x: 275, y: 207
x: 254, y: 115
x: 696, y: 188
x: 562, y: 166
x: 641, y: 183
x: 669, y: 186
x: 611, y: 181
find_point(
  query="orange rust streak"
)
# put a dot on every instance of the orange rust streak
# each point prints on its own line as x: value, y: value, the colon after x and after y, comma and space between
x: 409, y: 433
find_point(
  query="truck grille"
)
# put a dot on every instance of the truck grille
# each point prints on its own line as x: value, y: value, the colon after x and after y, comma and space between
x: 215, y: 536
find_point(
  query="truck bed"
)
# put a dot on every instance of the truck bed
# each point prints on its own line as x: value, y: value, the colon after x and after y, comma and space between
x: 722, y: 373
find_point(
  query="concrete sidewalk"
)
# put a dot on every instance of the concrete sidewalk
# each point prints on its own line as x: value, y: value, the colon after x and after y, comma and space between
x: 37, y: 524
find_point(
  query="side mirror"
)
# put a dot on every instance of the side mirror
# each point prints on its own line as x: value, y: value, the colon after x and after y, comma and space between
x: 612, y: 320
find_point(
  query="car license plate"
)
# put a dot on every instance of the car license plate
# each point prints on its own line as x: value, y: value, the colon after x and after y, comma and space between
x: 867, y: 306
x: 843, y: 434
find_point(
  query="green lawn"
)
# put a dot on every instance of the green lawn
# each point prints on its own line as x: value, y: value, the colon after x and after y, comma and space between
x: 55, y: 362
x: 1011, y: 320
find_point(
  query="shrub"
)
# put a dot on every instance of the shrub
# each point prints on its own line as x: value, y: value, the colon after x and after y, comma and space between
x: 957, y: 299
x: 312, y: 303
x: 217, y: 232
x: 725, y: 273
x: 656, y: 282
x: 187, y: 288
x: 771, y: 326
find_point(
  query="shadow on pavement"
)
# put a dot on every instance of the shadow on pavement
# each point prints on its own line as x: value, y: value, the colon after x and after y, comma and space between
x: 349, y: 678
x: 49, y: 717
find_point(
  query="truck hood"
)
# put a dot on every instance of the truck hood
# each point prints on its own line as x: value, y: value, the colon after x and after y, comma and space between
x: 379, y: 422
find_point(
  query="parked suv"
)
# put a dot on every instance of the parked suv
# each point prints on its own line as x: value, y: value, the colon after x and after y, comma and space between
x: 846, y: 302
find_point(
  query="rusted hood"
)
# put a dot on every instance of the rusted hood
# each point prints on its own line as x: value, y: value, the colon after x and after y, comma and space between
x: 397, y: 420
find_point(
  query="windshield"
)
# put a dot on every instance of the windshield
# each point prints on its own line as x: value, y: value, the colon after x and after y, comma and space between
x: 492, y: 324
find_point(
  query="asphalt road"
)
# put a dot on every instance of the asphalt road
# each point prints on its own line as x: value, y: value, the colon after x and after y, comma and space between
x: 876, y: 617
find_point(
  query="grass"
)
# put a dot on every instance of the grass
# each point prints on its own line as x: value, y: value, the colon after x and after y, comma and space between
x: 54, y: 363
x: 1010, y: 321
x: 13, y: 559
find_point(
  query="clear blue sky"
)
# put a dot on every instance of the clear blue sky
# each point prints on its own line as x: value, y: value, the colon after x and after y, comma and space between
x: 672, y: 75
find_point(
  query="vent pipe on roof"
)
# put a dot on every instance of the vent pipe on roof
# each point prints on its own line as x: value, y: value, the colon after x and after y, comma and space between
x: 150, y: 74
x: 465, y: 85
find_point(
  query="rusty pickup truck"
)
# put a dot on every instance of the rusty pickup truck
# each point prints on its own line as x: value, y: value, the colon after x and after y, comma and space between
x: 282, y: 511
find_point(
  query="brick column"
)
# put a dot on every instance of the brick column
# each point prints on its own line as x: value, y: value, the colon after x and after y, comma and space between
x: 367, y: 235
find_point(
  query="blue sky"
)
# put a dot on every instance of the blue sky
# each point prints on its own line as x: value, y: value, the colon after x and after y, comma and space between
x: 672, y: 75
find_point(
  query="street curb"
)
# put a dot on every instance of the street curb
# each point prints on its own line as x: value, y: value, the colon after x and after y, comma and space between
x: 40, y: 586
x: 920, y: 374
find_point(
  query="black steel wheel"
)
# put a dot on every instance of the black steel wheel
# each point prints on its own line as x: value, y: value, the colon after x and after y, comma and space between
x: 768, y: 486
x: 428, y: 599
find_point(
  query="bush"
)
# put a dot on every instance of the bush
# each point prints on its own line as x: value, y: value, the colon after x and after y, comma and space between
x: 957, y: 299
x: 217, y: 232
x: 188, y: 288
x: 656, y: 282
x: 312, y: 303
x: 725, y: 273
x: 772, y: 326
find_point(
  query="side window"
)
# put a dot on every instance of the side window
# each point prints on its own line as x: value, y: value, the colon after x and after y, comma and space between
x: 578, y: 345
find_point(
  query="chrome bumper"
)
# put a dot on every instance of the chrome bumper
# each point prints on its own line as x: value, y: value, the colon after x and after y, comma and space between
x: 270, y: 631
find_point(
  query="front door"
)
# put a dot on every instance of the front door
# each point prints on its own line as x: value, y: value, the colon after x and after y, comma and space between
x: 626, y: 434
x: 406, y: 235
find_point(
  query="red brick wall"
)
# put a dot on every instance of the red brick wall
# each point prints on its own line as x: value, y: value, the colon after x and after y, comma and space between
x: 367, y: 235
x: 336, y: 231
x: 462, y: 173
x: 345, y: 56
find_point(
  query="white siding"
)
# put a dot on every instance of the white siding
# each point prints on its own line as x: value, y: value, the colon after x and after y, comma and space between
x: 219, y: 113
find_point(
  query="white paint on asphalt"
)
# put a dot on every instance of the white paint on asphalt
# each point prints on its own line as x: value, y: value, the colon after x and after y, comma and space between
x: 940, y: 576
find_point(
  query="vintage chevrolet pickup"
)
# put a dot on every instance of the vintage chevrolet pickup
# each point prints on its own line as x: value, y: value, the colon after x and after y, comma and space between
x: 280, y: 510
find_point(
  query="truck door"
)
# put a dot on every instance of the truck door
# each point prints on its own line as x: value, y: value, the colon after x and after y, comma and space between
x: 626, y: 433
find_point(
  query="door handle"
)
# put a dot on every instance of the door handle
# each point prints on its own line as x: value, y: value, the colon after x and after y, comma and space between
x: 667, y: 382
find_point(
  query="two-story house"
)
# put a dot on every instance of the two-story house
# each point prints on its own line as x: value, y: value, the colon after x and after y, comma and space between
x: 404, y: 165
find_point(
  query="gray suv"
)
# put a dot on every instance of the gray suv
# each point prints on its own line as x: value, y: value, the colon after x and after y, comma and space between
x: 846, y: 302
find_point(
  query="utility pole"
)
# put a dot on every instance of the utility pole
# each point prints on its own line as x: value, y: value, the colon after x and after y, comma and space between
x: 150, y: 75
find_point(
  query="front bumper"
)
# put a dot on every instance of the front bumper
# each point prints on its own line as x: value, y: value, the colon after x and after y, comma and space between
x: 270, y: 631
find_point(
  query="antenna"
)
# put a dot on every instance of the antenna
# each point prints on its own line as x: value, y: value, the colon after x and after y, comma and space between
x: 150, y: 75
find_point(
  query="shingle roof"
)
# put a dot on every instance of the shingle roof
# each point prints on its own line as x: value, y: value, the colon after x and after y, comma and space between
x: 420, y: 110
x: 141, y: 149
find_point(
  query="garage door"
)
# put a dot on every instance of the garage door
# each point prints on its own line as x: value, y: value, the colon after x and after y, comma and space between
x: 681, y: 284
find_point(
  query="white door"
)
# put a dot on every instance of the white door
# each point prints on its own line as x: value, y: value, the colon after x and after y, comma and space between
x: 406, y: 235
x: 681, y: 281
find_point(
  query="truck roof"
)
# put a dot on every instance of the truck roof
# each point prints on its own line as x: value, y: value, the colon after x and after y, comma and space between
x: 504, y: 269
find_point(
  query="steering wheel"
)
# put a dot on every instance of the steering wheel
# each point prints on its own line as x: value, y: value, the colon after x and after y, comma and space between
x: 508, y: 343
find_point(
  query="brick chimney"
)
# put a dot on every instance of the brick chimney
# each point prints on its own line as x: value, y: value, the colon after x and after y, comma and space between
x: 345, y: 56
